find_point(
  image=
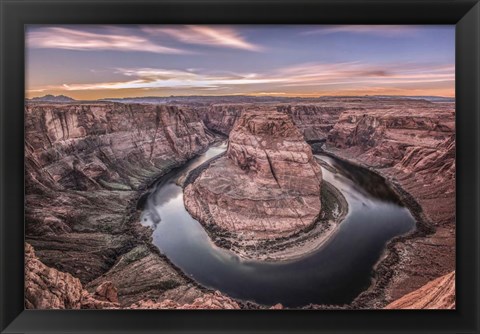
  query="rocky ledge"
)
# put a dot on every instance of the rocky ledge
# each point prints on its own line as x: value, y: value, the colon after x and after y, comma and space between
x: 267, y: 185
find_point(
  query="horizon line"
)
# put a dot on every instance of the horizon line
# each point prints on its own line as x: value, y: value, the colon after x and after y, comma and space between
x: 241, y: 95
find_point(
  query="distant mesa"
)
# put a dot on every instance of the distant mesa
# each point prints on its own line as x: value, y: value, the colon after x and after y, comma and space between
x: 266, y: 186
x: 53, y: 98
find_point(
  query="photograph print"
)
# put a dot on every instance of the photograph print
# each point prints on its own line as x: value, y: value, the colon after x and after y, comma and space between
x: 240, y: 167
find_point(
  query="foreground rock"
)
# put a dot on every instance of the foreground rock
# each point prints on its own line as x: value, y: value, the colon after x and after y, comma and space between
x: 209, y: 301
x: 268, y: 184
x: 438, y: 294
x: 48, y: 288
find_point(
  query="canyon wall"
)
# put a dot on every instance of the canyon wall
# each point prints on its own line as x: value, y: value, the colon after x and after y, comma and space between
x: 314, y: 120
x: 412, y: 144
x: 85, y: 165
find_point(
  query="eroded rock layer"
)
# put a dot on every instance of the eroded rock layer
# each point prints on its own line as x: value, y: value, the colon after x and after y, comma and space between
x: 314, y: 120
x: 267, y: 185
x: 85, y: 166
x: 438, y: 294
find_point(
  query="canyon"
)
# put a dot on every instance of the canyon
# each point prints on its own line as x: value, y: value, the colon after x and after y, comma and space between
x: 89, y: 163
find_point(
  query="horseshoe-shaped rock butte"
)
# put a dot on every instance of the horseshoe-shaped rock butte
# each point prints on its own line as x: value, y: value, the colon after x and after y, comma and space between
x: 266, y: 186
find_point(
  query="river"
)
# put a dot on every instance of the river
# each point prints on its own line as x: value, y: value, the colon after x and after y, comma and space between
x: 333, y: 274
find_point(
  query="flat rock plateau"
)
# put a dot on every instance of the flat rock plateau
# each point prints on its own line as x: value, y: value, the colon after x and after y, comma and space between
x: 88, y: 163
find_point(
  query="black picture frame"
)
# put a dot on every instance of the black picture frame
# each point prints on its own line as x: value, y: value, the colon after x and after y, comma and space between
x: 465, y: 14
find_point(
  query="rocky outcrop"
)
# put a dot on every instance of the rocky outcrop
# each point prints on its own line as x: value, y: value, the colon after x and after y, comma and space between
x: 142, y: 274
x: 48, y: 288
x: 267, y: 185
x: 411, y: 143
x: 438, y: 294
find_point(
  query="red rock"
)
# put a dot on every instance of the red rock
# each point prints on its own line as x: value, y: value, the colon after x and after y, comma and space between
x: 107, y: 291
x: 267, y: 185
x: 436, y: 295
x: 209, y: 301
x: 48, y: 288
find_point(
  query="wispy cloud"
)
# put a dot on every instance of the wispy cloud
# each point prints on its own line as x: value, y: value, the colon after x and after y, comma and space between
x: 377, y: 30
x: 298, y: 78
x: 315, y: 74
x: 76, y: 39
x: 150, y: 78
x: 218, y: 36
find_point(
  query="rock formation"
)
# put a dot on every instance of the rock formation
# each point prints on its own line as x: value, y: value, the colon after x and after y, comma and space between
x: 438, y: 294
x: 107, y: 146
x: 48, y: 288
x: 383, y: 132
x: 267, y: 185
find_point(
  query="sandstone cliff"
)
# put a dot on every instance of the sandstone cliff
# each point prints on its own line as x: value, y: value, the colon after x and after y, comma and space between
x: 107, y: 146
x: 85, y: 164
x: 267, y: 185
x: 411, y: 143
x: 221, y: 117
x: 438, y: 294
x: 314, y: 120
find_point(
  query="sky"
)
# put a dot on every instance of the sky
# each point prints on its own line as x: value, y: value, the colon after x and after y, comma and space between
x: 103, y: 61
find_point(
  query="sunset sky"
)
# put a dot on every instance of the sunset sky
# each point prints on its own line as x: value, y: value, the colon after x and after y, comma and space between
x: 92, y: 62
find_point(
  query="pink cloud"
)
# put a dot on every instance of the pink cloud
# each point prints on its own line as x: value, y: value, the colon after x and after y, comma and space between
x: 71, y: 39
